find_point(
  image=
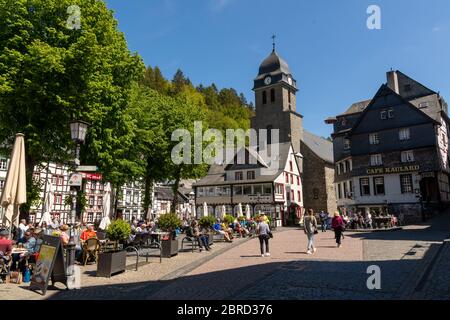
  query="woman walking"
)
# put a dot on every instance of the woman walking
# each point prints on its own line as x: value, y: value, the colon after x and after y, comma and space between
x: 263, y: 231
x: 310, y: 227
x: 338, y: 226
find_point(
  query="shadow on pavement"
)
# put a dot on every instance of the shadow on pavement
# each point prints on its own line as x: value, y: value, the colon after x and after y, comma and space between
x: 300, y: 279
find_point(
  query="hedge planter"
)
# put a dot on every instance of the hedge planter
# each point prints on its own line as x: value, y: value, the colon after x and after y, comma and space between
x: 111, y: 262
x: 211, y: 237
x: 169, y: 248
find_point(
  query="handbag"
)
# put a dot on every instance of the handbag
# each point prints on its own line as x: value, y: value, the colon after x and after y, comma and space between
x: 315, y: 231
x: 270, y: 234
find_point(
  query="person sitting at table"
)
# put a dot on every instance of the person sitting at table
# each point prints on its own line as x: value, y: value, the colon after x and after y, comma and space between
x: 29, y: 244
x: 218, y: 228
x: 63, y: 235
x: 88, y: 233
x: 5, y: 246
x: 201, y: 238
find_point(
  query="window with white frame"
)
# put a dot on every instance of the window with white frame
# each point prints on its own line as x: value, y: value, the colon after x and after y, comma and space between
x: 3, y: 164
x: 347, y: 144
x: 58, y: 199
x: 374, y: 138
x: 391, y: 113
x: 378, y: 183
x: 2, y: 184
x: 406, y: 183
x: 91, y: 201
x: 257, y: 189
x: 404, y: 134
x: 423, y: 105
x: 376, y: 160
x: 237, y: 190
x: 279, y: 188
x: 364, y: 187
x: 407, y: 156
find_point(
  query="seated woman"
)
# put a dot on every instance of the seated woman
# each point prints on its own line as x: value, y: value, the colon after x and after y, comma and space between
x: 201, y: 238
x: 218, y: 228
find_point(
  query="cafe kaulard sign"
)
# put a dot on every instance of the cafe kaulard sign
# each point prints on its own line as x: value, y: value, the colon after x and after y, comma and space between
x: 392, y: 170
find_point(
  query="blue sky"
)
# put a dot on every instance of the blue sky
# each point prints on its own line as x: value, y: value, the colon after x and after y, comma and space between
x: 334, y: 57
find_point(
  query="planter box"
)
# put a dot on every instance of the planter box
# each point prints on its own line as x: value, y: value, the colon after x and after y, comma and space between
x: 211, y: 237
x: 110, y: 263
x: 169, y: 248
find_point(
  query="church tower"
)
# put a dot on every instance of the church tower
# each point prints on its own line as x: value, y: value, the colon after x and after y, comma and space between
x: 275, y: 101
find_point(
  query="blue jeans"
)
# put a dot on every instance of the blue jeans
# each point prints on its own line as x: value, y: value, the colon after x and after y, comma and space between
x: 310, y: 241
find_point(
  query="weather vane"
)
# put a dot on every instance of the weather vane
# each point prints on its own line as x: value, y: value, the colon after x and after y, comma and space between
x: 273, y: 41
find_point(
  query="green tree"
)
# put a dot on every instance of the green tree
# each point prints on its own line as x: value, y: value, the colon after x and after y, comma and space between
x: 50, y: 74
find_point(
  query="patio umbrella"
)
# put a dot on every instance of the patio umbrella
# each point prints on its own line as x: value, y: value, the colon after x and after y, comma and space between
x: 104, y: 223
x: 48, y: 201
x: 205, y: 209
x: 224, y: 212
x: 107, y: 201
x: 15, y: 190
x: 47, y: 218
x: 240, y: 213
x: 248, y: 214
x: 194, y: 212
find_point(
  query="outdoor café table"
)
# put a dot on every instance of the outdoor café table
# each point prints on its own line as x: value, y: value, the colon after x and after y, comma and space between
x: 18, y: 250
x: 159, y: 234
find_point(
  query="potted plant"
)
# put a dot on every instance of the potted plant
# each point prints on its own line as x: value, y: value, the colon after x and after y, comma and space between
x: 207, y: 223
x: 114, y: 261
x: 228, y: 219
x: 169, y: 223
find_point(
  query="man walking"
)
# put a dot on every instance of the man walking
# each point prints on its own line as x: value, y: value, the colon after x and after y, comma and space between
x: 324, y: 220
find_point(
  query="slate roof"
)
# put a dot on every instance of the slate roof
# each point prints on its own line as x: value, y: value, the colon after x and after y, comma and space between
x: 166, y: 193
x: 216, y: 173
x: 357, y: 107
x: 273, y: 64
x: 320, y: 146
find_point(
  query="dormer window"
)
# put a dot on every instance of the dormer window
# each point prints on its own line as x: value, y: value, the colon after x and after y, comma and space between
x: 238, y: 176
x: 346, y: 144
x: 383, y: 115
x: 250, y: 175
x: 423, y: 105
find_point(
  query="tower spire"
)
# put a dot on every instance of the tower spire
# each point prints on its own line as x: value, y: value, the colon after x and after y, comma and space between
x: 273, y: 42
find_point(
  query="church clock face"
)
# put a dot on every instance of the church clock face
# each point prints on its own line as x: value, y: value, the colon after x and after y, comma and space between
x: 267, y: 80
x: 290, y: 81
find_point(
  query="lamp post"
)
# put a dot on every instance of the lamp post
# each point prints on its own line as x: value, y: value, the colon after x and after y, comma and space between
x: 78, y: 130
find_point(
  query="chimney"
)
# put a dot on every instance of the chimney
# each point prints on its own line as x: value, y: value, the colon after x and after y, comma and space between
x: 392, y: 81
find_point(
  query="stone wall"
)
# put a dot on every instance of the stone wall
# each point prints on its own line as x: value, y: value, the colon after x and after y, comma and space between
x: 318, y: 178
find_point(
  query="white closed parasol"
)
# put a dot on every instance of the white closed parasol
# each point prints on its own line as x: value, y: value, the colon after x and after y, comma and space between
x: 15, y: 191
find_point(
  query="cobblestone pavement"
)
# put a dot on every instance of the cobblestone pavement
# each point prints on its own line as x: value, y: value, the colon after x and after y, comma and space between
x: 403, y: 257
x: 412, y: 261
x: 127, y: 285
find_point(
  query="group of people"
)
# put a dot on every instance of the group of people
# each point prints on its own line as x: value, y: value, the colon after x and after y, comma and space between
x: 311, y: 228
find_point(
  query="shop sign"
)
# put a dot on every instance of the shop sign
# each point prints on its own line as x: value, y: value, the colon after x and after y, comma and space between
x: 402, y: 169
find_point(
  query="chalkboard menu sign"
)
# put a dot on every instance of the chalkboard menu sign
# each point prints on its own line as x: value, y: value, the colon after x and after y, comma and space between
x: 49, y: 264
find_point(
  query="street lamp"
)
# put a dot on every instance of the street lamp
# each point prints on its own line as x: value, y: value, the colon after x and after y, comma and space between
x: 78, y: 130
